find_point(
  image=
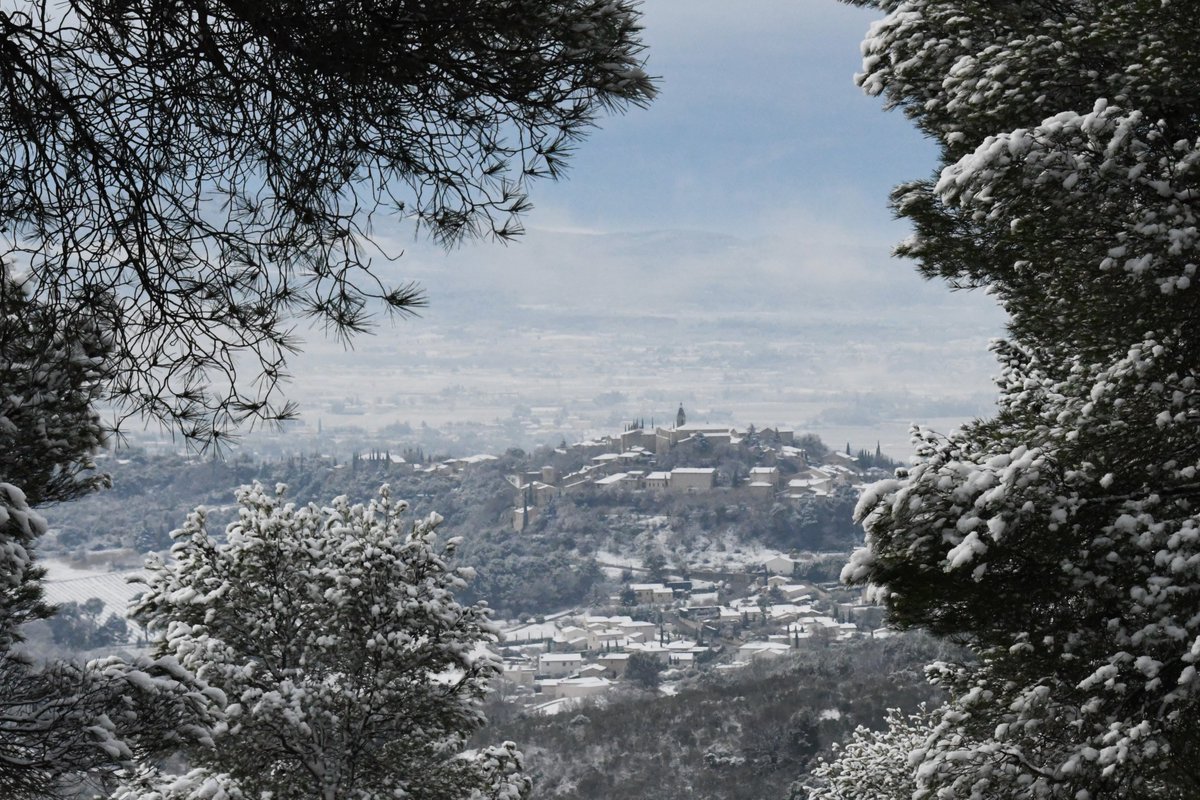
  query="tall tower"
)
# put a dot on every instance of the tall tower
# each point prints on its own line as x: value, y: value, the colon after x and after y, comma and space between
x: 680, y: 418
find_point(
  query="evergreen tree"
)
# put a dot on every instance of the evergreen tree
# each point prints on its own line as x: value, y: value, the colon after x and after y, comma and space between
x: 351, y: 669
x: 644, y: 670
x: 1060, y: 538
x: 655, y: 564
x: 52, y: 371
x: 63, y: 724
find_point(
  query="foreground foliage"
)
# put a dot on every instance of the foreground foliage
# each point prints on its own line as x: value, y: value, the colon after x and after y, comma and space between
x: 351, y: 671
x: 1061, y: 538
x: 52, y: 371
x: 61, y: 724
x: 874, y: 763
x: 64, y: 726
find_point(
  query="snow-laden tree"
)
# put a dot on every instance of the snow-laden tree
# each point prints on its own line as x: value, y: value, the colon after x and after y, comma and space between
x: 60, y: 723
x: 1060, y: 539
x: 211, y: 170
x: 50, y: 375
x: 350, y: 669
x: 21, y: 596
x: 52, y: 370
x: 875, y: 764
x: 67, y: 728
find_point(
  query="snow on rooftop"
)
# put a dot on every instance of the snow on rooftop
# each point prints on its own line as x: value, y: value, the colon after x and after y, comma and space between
x: 594, y: 621
x: 764, y: 647
x: 558, y: 706
x: 541, y: 630
x: 589, y: 681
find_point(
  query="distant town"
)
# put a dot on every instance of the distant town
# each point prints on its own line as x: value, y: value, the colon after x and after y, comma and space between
x: 628, y: 461
x: 657, y: 624
x: 678, y: 625
x: 722, y: 620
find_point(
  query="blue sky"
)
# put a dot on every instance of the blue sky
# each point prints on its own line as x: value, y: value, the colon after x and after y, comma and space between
x: 758, y: 117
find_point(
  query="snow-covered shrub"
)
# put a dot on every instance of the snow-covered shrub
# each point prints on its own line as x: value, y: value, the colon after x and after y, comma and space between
x: 876, y: 764
x: 351, y: 670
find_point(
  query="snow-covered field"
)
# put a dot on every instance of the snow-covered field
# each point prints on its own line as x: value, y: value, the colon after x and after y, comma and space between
x: 67, y: 584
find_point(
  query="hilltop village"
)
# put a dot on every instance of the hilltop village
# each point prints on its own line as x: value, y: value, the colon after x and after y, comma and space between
x: 638, y: 459
x: 663, y: 627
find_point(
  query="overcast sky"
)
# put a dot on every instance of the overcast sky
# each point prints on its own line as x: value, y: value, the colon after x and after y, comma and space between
x: 760, y: 161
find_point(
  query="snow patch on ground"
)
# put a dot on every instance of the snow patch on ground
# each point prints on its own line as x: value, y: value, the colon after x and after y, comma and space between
x: 59, y: 570
x: 737, y: 555
x: 618, y: 560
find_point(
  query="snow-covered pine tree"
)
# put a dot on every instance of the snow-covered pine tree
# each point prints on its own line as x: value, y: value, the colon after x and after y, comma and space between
x: 49, y: 376
x: 352, y: 671
x: 62, y: 724
x: 1060, y: 539
x: 50, y: 373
